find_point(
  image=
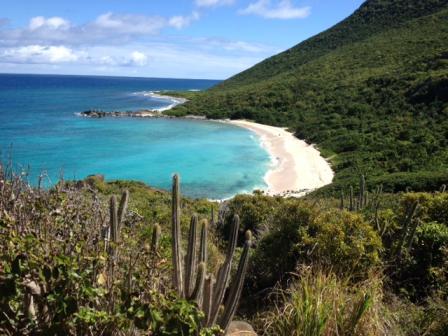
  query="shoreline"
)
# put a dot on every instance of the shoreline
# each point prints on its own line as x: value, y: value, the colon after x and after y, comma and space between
x: 297, y: 167
x: 159, y: 95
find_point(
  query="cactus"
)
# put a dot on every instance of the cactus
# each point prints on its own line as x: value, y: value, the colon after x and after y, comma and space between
x: 197, y: 284
x: 351, y: 199
x: 237, y: 285
x: 116, y: 219
x: 122, y: 208
x: 412, y: 234
x: 443, y: 188
x: 176, y: 251
x: 362, y: 192
x: 408, y: 220
x: 113, y: 227
x: 156, y: 231
x: 341, y: 205
x: 203, y: 245
x: 207, y: 301
x: 190, y: 261
x: 224, y: 271
x: 212, y: 219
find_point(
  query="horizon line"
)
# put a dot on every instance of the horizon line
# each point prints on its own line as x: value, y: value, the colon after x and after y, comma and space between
x: 109, y: 76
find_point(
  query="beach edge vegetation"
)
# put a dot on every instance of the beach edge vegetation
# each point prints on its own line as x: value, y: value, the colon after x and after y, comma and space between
x: 370, y: 92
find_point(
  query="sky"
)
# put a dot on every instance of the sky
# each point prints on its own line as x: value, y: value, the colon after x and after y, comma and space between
x: 212, y: 39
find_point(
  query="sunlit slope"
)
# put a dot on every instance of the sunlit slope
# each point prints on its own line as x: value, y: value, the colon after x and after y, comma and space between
x: 375, y: 102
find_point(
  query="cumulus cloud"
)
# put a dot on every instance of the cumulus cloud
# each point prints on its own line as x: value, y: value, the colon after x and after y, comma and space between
x: 180, y: 22
x: 51, y: 23
x: 40, y: 54
x: 234, y: 45
x: 107, y: 29
x: 284, y: 9
x: 138, y: 58
x: 127, y: 23
x: 46, y: 43
x: 213, y: 3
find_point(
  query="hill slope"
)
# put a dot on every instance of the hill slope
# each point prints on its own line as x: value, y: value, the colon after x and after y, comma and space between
x: 372, y: 92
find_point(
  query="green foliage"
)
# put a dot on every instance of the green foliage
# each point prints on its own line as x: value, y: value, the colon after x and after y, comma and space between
x: 318, y: 303
x: 58, y: 276
x: 432, y: 207
x: 302, y: 233
x: 371, y: 91
x: 343, y: 241
x: 255, y: 211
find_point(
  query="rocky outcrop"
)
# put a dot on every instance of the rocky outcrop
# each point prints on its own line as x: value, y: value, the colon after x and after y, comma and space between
x: 240, y: 328
x: 132, y: 114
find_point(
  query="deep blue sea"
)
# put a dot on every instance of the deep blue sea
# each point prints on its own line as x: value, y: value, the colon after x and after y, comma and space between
x: 40, y: 129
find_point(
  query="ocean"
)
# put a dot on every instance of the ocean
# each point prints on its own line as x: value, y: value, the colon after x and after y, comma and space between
x: 41, y: 131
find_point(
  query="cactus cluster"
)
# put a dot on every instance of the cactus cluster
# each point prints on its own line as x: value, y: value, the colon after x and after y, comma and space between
x: 190, y: 276
x: 408, y: 230
x: 363, y: 199
x: 116, y: 219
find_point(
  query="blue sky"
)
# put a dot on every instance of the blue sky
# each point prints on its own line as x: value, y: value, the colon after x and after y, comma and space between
x: 156, y: 38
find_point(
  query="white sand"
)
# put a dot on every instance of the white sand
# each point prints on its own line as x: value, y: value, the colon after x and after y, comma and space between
x: 298, y: 168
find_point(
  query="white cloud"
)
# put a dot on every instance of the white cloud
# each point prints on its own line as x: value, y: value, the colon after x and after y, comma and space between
x: 213, y: 3
x: 138, y: 58
x: 128, y: 23
x: 234, y: 46
x: 51, y: 23
x: 180, y: 22
x: 107, y: 29
x: 123, y: 44
x: 40, y: 54
x: 284, y: 9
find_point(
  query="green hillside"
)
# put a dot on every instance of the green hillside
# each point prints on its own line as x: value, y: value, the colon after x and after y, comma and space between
x: 371, y: 92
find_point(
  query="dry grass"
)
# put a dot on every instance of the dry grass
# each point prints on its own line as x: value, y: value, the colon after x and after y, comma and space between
x: 319, y: 303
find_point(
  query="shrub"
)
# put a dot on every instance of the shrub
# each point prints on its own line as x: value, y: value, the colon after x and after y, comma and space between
x: 255, y: 212
x: 342, y: 240
x: 302, y: 233
x: 276, y: 255
x: 320, y: 303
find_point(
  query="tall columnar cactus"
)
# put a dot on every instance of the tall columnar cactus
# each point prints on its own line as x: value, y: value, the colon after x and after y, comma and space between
x: 207, y: 301
x: 416, y: 222
x: 117, y: 215
x: 443, y: 188
x: 341, y: 205
x: 122, y: 208
x: 222, y: 279
x: 192, y: 282
x: 237, y: 285
x: 362, y: 192
x: 176, y: 235
x: 156, y: 231
x: 203, y: 244
x: 351, y: 199
x: 113, y: 217
x: 407, y: 222
x: 190, y: 261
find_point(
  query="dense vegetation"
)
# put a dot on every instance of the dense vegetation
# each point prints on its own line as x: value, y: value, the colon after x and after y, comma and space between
x: 361, y: 257
x: 368, y: 263
x: 371, y: 92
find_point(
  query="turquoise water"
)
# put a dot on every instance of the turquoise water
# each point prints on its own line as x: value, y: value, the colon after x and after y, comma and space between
x: 38, y: 121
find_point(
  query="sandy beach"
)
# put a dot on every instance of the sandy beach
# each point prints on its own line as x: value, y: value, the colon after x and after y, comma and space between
x: 298, y: 167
